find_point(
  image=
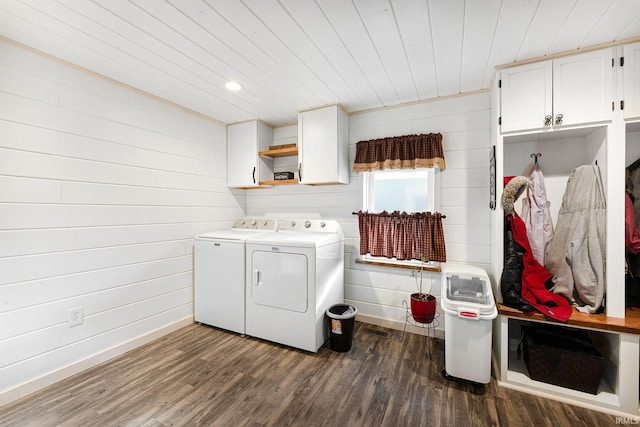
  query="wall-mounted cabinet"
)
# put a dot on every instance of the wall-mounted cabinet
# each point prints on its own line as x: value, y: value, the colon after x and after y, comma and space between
x: 245, y: 168
x: 565, y: 91
x: 320, y: 157
x: 631, y: 72
x: 323, y: 146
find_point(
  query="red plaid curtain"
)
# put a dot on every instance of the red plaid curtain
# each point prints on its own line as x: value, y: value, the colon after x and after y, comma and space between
x: 400, y: 152
x: 402, y: 236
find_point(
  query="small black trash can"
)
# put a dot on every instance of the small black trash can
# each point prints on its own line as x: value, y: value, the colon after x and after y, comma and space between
x: 342, y: 318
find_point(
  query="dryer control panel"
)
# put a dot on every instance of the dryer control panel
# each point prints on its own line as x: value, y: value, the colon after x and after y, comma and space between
x: 309, y: 225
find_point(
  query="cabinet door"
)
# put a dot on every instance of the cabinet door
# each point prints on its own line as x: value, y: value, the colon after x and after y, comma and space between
x: 583, y: 88
x: 319, y: 146
x: 242, y: 155
x: 526, y: 96
x: 631, y: 71
x: 280, y: 280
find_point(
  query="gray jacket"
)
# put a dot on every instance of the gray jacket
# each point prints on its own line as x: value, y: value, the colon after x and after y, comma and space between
x: 577, y: 252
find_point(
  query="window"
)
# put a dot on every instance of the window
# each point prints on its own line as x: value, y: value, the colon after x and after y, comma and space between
x: 410, y: 190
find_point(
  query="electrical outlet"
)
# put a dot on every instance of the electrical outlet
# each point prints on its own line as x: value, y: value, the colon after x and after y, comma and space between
x: 75, y: 316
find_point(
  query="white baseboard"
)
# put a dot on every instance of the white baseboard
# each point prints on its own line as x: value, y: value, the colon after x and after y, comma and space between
x: 53, y: 377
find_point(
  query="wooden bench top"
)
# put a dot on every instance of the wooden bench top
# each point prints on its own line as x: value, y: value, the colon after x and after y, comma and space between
x: 630, y: 324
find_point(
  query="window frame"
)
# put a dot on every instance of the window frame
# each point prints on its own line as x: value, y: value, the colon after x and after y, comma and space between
x: 432, y: 206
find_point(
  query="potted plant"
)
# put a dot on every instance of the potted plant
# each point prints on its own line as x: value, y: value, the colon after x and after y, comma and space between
x: 423, y: 304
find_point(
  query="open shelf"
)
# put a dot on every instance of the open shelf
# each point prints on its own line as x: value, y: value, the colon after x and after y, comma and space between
x: 280, y: 152
x: 280, y: 182
x: 516, y: 374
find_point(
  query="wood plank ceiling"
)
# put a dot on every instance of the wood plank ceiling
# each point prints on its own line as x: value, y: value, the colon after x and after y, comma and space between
x: 292, y: 55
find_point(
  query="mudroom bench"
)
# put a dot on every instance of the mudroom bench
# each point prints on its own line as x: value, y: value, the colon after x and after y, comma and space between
x: 630, y: 324
x: 616, y: 339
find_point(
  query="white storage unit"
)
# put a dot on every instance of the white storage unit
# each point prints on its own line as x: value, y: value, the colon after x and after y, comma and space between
x: 552, y: 93
x: 631, y: 71
x: 469, y: 307
x: 610, y: 140
x: 245, y: 168
x: 219, y: 274
x: 323, y: 146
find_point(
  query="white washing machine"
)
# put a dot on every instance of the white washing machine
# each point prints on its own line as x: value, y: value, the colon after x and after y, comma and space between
x: 219, y: 273
x: 292, y: 277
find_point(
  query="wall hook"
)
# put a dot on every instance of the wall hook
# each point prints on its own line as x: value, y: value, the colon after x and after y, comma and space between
x: 535, y: 156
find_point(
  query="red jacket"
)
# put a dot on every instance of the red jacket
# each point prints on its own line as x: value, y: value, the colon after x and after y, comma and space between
x: 631, y: 238
x: 534, y: 277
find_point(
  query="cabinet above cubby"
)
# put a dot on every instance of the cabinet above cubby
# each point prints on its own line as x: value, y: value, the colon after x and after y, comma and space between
x: 552, y: 94
x: 631, y: 68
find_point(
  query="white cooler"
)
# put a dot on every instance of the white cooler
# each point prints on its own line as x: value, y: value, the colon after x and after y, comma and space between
x: 469, y: 307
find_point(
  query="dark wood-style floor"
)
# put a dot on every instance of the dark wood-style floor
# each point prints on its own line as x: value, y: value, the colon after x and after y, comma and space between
x: 202, y: 376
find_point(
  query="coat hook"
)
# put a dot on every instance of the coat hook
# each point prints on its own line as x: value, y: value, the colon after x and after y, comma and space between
x: 535, y: 156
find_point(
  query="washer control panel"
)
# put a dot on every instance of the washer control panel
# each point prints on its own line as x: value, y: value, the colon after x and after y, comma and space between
x: 255, y: 224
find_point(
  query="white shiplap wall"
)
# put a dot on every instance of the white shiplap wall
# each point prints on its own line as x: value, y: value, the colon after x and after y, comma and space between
x: 378, y: 292
x: 102, y: 190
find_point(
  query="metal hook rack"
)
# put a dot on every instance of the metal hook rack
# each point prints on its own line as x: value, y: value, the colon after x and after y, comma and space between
x: 535, y: 157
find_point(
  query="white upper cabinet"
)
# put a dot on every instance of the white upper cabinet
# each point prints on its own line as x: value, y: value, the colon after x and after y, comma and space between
x: 245, y: 168
x: 631, y: 71
x: 323, y: 146
x: 573, y: 90
x: 526, y: 95
x: 583, y: 87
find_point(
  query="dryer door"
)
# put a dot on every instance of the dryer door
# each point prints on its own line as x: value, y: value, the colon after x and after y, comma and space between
x: 280, y: 280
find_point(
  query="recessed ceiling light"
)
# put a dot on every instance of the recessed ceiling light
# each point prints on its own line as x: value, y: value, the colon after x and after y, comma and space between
x: 233, y: 86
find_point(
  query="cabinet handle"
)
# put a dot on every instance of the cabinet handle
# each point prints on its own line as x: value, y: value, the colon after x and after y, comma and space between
x: 558, y: 119
x: 300, y: 172
x: 254, y: 175
x: 547, y: 120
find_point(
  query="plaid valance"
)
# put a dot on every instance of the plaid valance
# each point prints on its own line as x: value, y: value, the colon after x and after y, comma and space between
x: 402, y: 236
x: 400, y: 152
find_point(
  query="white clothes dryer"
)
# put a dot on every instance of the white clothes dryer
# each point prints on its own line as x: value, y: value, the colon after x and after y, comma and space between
x: 219, y: 271
x: 292, y: 277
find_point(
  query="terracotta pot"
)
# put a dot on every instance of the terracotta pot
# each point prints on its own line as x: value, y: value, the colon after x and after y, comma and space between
x: 423, y: 310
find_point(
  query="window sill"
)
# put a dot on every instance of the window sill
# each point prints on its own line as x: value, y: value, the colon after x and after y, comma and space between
x: 434, y: 268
